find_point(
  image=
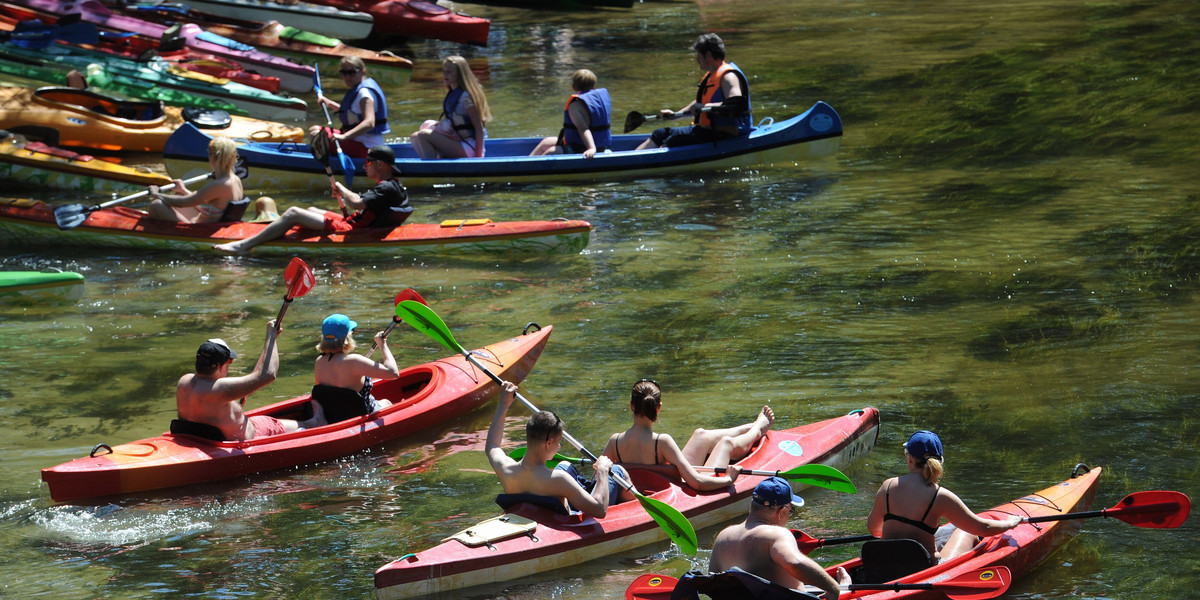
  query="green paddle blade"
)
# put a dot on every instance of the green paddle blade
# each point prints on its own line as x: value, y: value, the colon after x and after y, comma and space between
x: 423, y: 319
x: 678, y: 528
x: 519, y: 453
x: 823, y: 476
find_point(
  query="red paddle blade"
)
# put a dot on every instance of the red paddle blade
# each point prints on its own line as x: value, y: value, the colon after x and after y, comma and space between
x: 651, y: 587
x: 299, y: 278
x: 805, y: 542
x: 410, y: 294
x: 979, y: 584
x: 1156, y: 509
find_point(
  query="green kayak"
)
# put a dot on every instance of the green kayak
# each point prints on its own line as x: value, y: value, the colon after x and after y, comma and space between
x: 33, y: 287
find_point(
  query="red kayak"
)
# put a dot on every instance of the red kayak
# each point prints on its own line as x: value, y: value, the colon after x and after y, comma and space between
x: 422, y: 396
x: 531, y: 539
x: 417, y: 18
x: 29, y: 222
x: 980, y: 573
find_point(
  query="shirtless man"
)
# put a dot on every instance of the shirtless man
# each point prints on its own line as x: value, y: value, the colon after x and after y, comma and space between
x: 543, y: 436
x: 764, y: 546
x: 211, y: 397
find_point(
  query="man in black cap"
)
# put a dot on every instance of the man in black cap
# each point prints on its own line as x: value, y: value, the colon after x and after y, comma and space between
x: 210, y: 397
x: 764, y: 546
x: 385, y: 205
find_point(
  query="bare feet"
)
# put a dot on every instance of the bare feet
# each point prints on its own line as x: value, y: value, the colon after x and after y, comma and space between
x: 230, y: 248
x: 765, y: 419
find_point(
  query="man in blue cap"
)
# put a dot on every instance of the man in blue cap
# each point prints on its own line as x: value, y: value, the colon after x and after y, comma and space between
x: 764, y: 546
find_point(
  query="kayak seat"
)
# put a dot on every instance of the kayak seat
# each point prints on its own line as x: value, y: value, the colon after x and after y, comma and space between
x: 888, y: 560
x: 339, y: 404
x: 507, y: 501
x: 200, y: 430
x: 734, y: 584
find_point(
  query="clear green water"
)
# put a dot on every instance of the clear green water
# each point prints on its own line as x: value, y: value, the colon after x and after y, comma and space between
x: 1003, y: 250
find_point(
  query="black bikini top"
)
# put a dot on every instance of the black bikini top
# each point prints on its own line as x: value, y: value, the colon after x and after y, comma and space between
x: 907, y: 521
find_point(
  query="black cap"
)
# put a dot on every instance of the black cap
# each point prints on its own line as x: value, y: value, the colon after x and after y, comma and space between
x: 216, y: 351
x: 384, y: 153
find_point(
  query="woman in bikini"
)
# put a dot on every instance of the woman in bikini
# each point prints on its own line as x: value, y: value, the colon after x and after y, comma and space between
x: 344, y: 379
x: 911, y: 505
x: 221, y: 198
x: 708, y: 447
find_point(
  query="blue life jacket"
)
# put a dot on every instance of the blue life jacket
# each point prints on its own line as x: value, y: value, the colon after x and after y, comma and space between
x: 381, y: 124
x: 599, y: 107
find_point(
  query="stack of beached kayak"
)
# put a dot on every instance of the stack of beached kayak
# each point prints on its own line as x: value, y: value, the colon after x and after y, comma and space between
x: 68, y: 117
x: 535, y: 539
x: 157, y: 72
x: 34, y: 287
x: 293, y: 77
x: 35, y: 163
x: 422, y: 396
x: 27, y: 222
x: 325, y: 20
x: 814, y: 133
x: 272, y: 36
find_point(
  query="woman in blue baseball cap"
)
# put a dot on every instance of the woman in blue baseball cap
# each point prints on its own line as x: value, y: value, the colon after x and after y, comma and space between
x: 343, y: 379
x: 911, y: 505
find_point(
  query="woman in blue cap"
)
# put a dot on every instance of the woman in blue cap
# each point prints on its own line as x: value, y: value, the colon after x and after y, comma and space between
x: 344, y: 379
x: 911, y: 505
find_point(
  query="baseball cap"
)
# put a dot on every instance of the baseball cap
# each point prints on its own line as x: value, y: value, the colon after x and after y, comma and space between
x: 776, y: 491
x: 384, y: 153
x: 216, y: 351
x: 924, y: 444
x: 337, y: 326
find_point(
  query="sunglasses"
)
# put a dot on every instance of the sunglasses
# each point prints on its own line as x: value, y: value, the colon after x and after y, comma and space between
x: 349, y: 72
x: 645, y: 380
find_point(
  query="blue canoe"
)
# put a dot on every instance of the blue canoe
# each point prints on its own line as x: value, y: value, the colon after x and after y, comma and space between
x: 275, y: 166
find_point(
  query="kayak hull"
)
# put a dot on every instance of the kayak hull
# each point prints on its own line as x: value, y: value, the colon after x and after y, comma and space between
x: 21, y: 163
x: 812, y: 134
x: 33, y: 287
x: 423, y: 396
x: 26, y: 222
x: 561, y: 541
x: 66, y: 116
x: 1020, y: 549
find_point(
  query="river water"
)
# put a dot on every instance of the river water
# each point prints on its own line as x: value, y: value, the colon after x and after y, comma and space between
x: 1003, y: 250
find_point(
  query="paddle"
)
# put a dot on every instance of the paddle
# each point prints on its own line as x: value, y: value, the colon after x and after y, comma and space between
x: 814, y: 475
x: 980, y: 584
x: 807, y: 543
x: 70, y: 216
x: 673, y: 522
x: 405, y: 294
x: 519, y: 453
x: 299, y: 279
x: 1157, y: 509
x: 347, y: 166
x: 732, y: 108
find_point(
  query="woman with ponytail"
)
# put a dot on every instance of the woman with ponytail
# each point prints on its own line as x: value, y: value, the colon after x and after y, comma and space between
x: 911, y: 505
x: 708, y: 447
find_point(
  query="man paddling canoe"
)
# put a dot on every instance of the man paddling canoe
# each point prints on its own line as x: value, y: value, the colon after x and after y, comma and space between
x: 764, y: 546
x: 543, y: 436
x: 209, y: 397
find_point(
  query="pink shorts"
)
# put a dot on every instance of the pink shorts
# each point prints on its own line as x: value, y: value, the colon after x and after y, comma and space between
x: 265, y: 426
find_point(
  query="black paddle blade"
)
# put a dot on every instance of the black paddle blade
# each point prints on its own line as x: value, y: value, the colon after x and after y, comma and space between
x: 634, y: 120
x: 319, y: 145
x: 70, y: 216
x: 240, y: 168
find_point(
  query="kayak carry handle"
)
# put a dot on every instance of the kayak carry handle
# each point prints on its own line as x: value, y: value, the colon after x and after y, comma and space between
x: 92, y: 454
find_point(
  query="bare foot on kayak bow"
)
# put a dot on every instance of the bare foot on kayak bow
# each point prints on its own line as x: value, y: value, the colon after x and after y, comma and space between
x: 230, y: 248
x: 765, y: 419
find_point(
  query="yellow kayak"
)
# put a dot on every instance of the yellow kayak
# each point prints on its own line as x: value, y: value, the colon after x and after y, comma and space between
x: 70, y: 117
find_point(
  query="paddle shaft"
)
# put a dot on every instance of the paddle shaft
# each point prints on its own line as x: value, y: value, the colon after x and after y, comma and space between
x: 1116, y: 512
x: 808, y: 544
x: 146, y: 193
x: 338, y: 146
x: 390, y: 327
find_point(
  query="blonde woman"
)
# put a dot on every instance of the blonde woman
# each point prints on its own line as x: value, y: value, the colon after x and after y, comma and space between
x: 461, y: 131
x: 344, y: 379
x: 911, y: 506
x: 221, y: 198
